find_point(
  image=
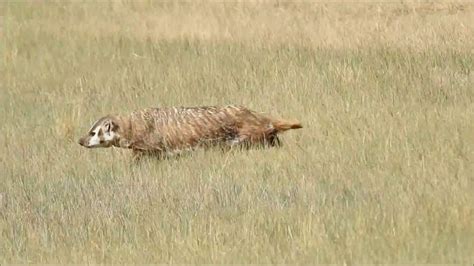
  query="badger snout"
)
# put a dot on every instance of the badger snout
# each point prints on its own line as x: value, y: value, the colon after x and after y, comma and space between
x: 82, y: 142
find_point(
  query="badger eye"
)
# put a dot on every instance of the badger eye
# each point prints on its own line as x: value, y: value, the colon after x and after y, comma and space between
x: 91, y: 134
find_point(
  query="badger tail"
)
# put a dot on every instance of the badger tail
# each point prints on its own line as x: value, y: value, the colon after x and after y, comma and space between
x: 284, y: 125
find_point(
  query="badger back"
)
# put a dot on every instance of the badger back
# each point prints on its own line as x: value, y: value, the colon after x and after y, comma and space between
x: 177, y: 128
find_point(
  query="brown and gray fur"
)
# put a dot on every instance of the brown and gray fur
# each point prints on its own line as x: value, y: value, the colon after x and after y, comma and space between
x: 172, y: 130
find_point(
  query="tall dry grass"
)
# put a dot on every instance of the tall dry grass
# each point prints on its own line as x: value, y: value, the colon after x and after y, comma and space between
x: 382, y: 171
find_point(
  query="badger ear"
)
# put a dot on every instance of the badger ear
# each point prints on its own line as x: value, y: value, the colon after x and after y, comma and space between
x: 108, y: 125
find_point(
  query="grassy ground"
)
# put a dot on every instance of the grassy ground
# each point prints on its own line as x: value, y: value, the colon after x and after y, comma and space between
x: 382, y: 171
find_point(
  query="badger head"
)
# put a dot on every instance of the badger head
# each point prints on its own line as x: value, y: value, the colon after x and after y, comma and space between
x: 103, y: 134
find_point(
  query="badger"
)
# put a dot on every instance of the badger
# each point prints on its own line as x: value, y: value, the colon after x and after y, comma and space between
x: 169, y: 131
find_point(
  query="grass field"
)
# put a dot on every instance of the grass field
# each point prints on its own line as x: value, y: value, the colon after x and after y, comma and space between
x: 382, y: 171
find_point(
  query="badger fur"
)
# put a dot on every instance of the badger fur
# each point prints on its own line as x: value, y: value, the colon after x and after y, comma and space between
x: 172, y: 130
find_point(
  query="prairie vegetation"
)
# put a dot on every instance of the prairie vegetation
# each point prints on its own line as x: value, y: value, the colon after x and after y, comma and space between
x: 382, y: 171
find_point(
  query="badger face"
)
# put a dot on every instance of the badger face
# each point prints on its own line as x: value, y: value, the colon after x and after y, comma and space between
x: 102, y: 134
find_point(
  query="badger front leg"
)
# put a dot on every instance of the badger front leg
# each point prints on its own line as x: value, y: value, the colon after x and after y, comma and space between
x: 138, y: 155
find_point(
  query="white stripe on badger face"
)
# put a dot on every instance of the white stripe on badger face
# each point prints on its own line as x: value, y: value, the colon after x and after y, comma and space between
x: 109, y: 136
x: 94, y: 140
